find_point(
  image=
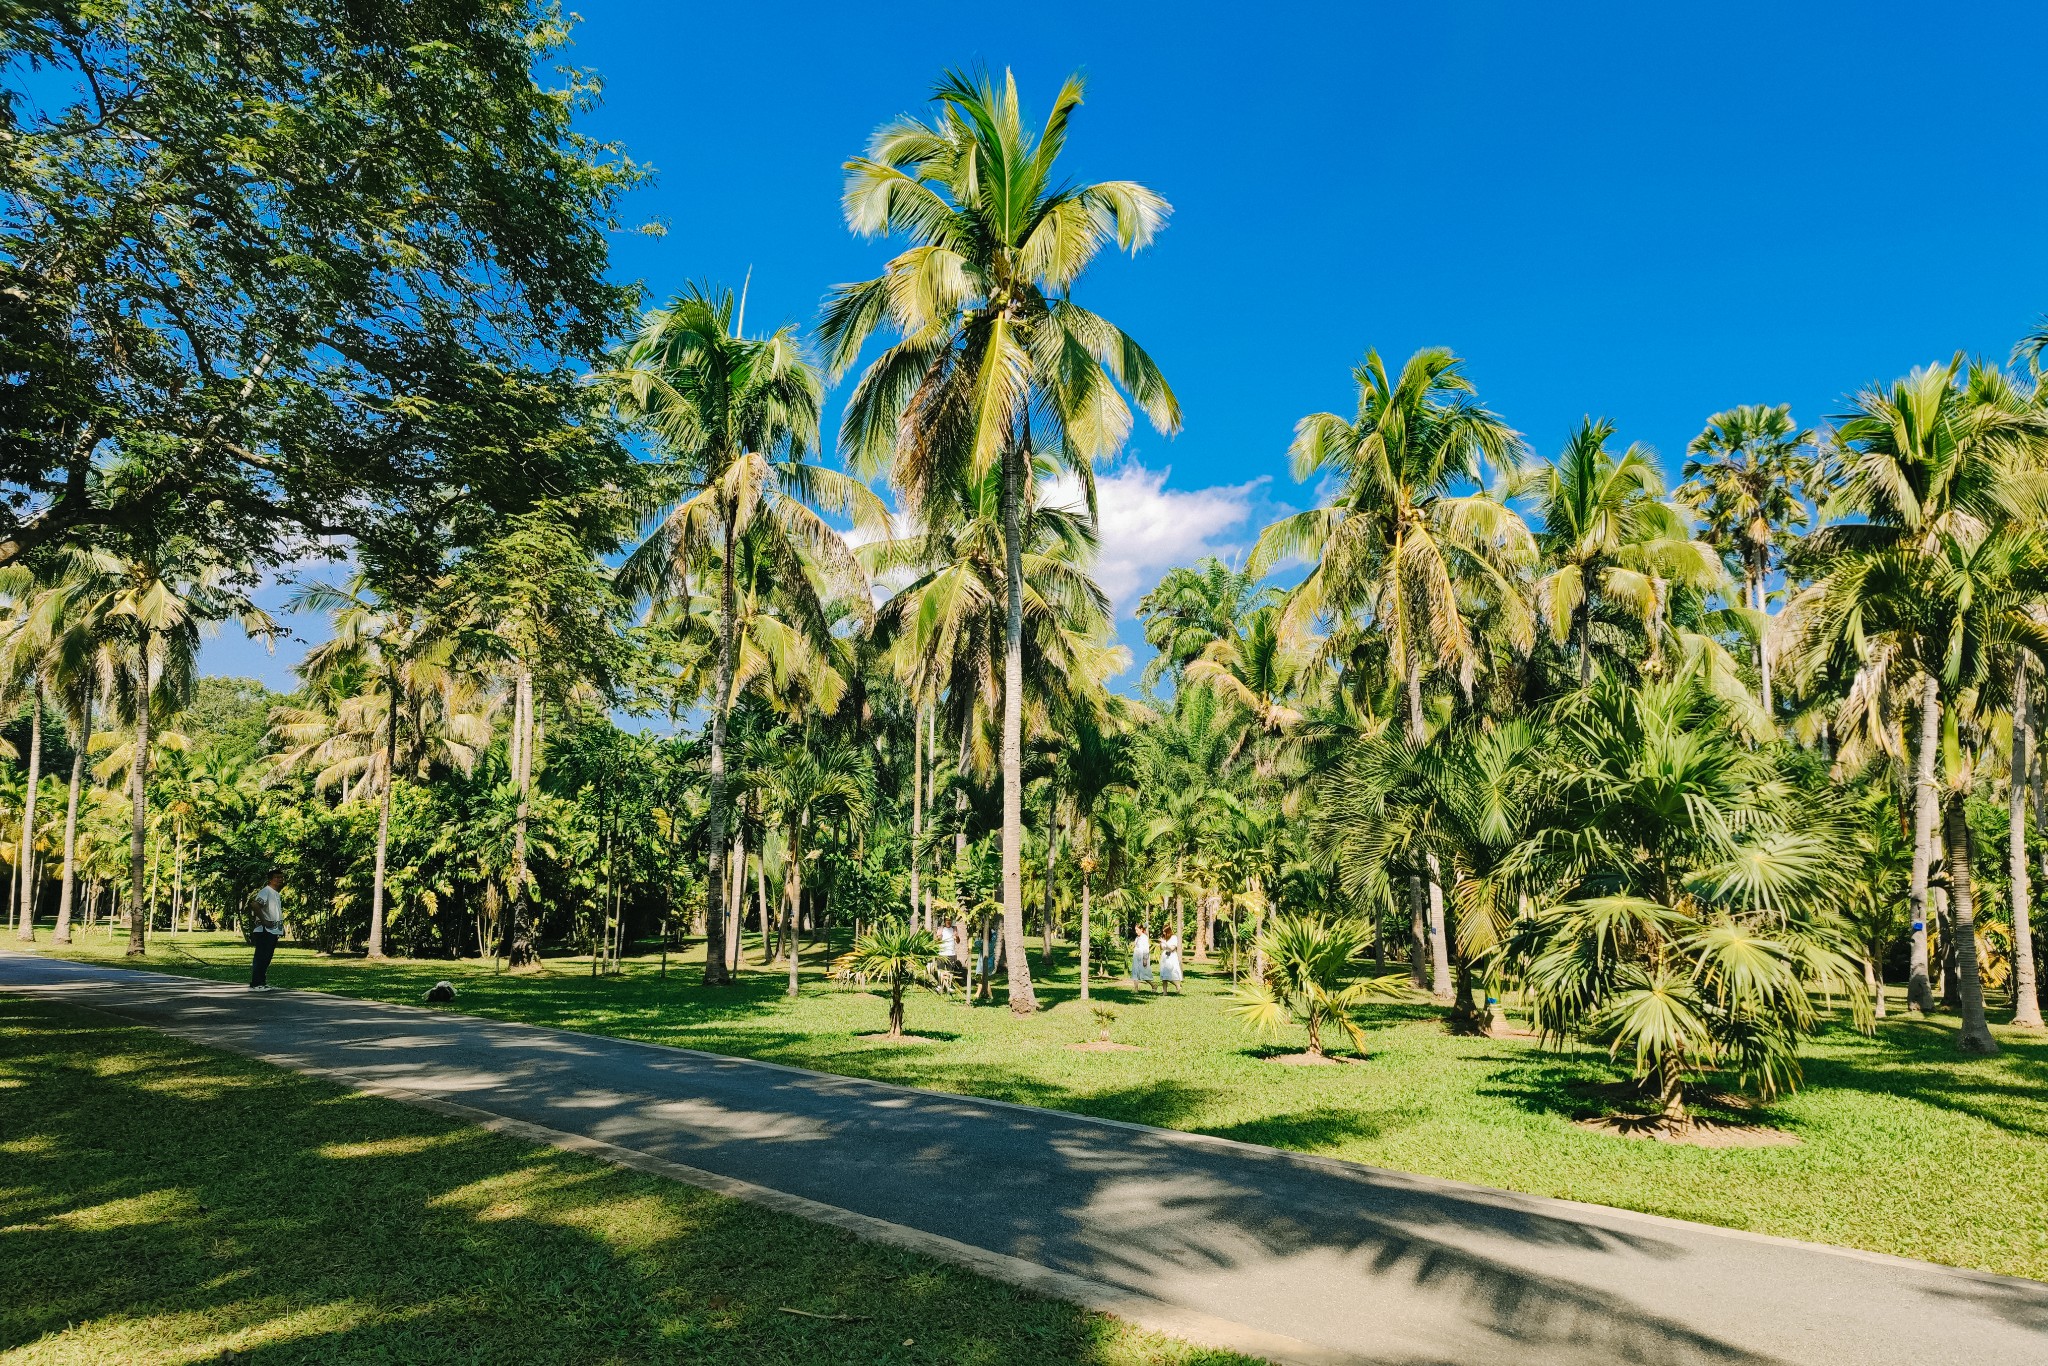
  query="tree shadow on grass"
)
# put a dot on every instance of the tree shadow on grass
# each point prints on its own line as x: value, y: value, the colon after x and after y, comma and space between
x: 166, y: 1202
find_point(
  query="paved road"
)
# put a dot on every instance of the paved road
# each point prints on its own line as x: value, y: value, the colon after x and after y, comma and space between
x: 1301, y: 1258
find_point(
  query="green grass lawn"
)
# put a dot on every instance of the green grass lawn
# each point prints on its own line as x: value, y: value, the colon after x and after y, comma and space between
x: 161, y: 1202
x: 1904, y: 1146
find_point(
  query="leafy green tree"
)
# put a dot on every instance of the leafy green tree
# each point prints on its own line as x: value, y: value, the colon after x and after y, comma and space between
x: 260, y: 249
x: 1191, y: 608
x: 995, y: 360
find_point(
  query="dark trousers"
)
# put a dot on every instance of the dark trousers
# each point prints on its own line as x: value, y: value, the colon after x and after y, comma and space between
x: 266, y: 945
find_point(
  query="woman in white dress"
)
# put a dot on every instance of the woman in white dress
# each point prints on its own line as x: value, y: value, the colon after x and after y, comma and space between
x: 1169, y: 961
x: 1141, y: 958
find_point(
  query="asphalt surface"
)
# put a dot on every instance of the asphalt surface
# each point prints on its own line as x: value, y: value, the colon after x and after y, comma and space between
x: 1348, y: 1262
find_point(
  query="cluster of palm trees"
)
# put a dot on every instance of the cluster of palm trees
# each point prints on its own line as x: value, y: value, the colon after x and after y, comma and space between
x: 1677, y: 766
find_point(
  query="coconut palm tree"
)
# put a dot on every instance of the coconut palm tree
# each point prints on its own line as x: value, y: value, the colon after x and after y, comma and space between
x: 1398, y: 538
x: 155, y: 601
x: 733, y: 417
x: 1093, y: 760
x: 1192, y: 608
x: 1743, y: 473
x: 1929, y: 465
x: 811, y: 783
x: 1613, y: 547
x: 995, y: 362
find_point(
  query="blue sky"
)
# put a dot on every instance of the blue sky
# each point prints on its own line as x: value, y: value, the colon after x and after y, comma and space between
x: 1643, y: 211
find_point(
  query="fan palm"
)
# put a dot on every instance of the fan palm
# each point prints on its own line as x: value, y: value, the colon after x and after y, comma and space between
x: 995, y: 362
x: 1700, y: 923
x: 733, y: 417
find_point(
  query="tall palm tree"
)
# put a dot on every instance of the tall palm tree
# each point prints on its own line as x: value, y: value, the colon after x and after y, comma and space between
x: 811, y: 783
x: 1743, y: 473
x: 1929, y: 463
x: 1613, y: 546
x: 401, y: 705
x: 156, y: 600
x: 734, y: 417
x: 995, y: 361
x: 1093, y: 760
x: 1190, y: 608
x: 1398, y: 537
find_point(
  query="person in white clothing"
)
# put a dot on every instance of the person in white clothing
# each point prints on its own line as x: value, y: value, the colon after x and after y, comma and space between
x: 1169, y: 961
x: 267, y: 929
x: 1141, y: 958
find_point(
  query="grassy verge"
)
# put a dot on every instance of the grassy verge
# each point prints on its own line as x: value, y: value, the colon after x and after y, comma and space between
x: 1904, y: 1146
x: 166, y: 1203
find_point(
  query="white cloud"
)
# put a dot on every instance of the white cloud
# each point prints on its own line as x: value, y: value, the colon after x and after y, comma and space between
x: 1147, y: 528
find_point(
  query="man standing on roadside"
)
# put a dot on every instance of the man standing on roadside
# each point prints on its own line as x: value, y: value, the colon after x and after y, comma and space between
x: 267, y: 929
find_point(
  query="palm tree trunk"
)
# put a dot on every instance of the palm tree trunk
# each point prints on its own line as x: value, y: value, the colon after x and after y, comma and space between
x: 792, y: 895
x: 1418, y: 934
x: 27, y: 929
x: 1583, y: 631
x: 735, y: 893
x: 1976, y: 1032
x: 1439, y: 941
x: 1015, y: 462
x: 2026, y: 1002
x: 376, y: 945
x: 715, y: 973
x: 1919, y: 990
x: 916, y: 811
x: 1763, y: 659
x: 64, y: 899
x: 518, y: 949
x: 1087, y: 925
x: 1875, y: 986
x: 138, y: 821
x: 761, y: 903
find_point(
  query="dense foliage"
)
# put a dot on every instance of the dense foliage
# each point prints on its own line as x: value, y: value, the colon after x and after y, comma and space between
x: 1686, y: 770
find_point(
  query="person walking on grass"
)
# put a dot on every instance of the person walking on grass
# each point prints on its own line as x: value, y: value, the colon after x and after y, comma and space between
x: 267, y: 928
x: 1169, y: 962
x: 1141, y: 958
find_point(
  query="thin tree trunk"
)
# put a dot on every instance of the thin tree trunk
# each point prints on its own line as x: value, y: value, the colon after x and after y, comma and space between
x: 1087, y: 925
x: 1763, y: 659
x: 761, y: 902
x: 64, y: 899
x: 376, y: 944
x: 518, y: 949
x: 1919, y: 990
x: 1015, y: 463
x: 916, y: 812
x: 793, y: 896
x: 735, y: 893
x: 2026, y: 1002
x: 1440, y: 984
x: 1418, y: 934
x: 715, y: 972
x: 1584, y: 633
x: 26, y: 930
x: 1976, y: 1032
x: 1875, y: 985
x: 138, y: 792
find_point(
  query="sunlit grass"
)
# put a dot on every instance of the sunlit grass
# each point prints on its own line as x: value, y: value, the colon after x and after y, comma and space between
x: 1905, y: 1147
x: 248, y: 1210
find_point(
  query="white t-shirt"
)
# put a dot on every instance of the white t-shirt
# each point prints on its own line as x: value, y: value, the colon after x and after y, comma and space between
x: 271, y: 919
x: 946, y: 942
